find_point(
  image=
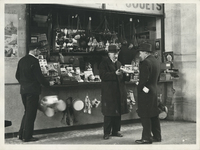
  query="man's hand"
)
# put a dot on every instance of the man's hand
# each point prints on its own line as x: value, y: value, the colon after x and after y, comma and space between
x: 51, y: 83
x: 118, y: 72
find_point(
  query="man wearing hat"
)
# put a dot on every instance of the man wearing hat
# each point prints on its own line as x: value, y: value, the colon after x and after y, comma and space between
x: 148, y: 111
x: 30, y: 78
x: 113, y: 91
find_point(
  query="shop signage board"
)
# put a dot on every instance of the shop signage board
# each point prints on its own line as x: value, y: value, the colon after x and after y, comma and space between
x: 88, y: 5
x: 144, y: 8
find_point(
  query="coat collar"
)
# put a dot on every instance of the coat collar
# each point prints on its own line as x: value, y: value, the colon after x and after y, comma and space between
x: 32, y: 55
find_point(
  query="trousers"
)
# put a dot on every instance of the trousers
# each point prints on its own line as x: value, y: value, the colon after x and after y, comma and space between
x: 151, y: 127
x: 112, y: 124
x: 30, y: 102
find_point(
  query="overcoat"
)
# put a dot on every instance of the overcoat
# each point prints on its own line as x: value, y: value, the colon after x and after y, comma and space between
x: 113, y: 89
x: 149, y: 75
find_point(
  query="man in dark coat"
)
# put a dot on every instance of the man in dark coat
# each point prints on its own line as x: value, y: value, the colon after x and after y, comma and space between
x: 113, y: 91
x: 148, y: 111
x: 30, y: 78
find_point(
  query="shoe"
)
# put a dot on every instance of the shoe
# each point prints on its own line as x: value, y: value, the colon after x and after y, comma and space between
x: 143, y: 142
x: 117, y: 134
x: 106, y: 136
x: 155, y: 140
x: 30, y: 140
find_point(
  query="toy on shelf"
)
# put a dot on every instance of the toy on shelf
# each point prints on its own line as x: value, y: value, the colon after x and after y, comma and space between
x: 95, y: 103
x: 88, y: 73
x: 50, y: 70
x: 88, y: 105
x: 130, y: 99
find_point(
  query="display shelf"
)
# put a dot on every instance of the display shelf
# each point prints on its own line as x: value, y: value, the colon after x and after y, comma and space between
x: 76, y: 84
x: 96, y: 83
x: 89, y: 83
x: 79, y: 53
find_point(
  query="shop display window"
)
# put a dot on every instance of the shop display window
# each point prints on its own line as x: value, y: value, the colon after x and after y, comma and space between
x: 77, y: 36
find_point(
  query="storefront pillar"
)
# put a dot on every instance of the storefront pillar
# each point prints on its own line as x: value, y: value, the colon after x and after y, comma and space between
x: 180, y: 37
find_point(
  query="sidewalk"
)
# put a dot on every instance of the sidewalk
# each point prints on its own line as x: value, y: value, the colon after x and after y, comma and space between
x: 172, y: 133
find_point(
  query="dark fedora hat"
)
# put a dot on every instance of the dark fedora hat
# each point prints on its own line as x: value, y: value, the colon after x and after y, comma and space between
x: 145, y: 47
x: 33, y: 46
x: 113, y: 49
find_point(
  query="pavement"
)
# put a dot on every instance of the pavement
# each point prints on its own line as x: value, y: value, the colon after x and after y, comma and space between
x: 174, y: 133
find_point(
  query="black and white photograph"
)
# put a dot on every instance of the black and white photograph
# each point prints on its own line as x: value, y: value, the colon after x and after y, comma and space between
x: 84, y: 75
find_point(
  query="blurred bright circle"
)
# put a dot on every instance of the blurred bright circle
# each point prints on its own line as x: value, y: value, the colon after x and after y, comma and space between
x: 78, y: 104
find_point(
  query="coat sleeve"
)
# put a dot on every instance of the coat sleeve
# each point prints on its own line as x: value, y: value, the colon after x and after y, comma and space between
x: 144, y: 74
x: 17, y: 74
x: 38, y: 74
x: 105, y: 74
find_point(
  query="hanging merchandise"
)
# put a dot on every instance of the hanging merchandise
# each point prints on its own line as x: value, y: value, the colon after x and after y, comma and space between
x: 92, y: 44
x: 114, y: 38
x: 49, y: 112
x: 89, y: 36
x: 78, y: 105
x: 104, y: 36
x: 122, y: 36
x: 131, y: 32
x: 68, y: 114
x: 59, y: 39
x: 88, y: 105
x: 60, y: 105
x: 69, y: 39
x: 163, y: 111
x: 83, y: 41
x: 130, y: 100
x: 49, y: 105
x: 90, y: 49
x: 134, y: 37
x: 95, y: 103
x: 76, y: 35
x: 89, y: 28
x: 104, y: 31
